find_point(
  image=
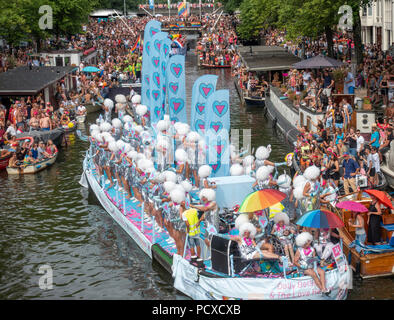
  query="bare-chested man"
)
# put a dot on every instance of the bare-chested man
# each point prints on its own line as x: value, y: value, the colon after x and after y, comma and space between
x: 45, y: 122
x: 34, y: 123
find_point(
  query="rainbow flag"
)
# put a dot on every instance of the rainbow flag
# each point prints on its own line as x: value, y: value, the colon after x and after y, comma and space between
x: 137, y: 45
x: 182, y: 9
x: 181, y: 24
x: 195, y: 24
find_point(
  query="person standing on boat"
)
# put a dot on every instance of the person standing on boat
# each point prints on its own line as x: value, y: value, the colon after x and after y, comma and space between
x: 374, y: 220
x: 357, y: 222
x: 284, y: 233
x: 304, y: 259
x: 312, y: 187
x: 264, y: 179
x: 210, y: 215
x: 262, y: 154
x: 190, y: 217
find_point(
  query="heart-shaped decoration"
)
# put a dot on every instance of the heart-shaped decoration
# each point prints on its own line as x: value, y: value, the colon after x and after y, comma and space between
x: 147, y: 47
x: 156, y: 79
x: 147, y: 80
x: 157, y: 111
x: 217, y: 126
x: 157, y: 45
x: 148, y: 94
x: 156, y: 94
x: 176, y: 69
x: 153, y: 31
x: 166, y: 50
x: 173, y: 87
x: 215, y: 167
x: 199, y: 126
x: 206, y: 90
x: 220, y: 107
x: 177, y: 104
x: 155, y: 61
x: 164, y: 89
x: 163, y: 68
x: 200, y: 107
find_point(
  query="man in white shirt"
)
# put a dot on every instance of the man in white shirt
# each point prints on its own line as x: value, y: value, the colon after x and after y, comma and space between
x: 306, y: 76
x: 11, y: 130
x: 360, y: 142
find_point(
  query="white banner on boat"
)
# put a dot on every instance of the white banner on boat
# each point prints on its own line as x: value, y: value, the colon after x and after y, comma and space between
x: 188, y: 281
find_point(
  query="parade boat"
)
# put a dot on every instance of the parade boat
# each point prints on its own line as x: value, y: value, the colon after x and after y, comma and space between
x: 70, y: 127
x: 368, y: 261
x: 141, y: 154
x: 223, y: 276
x: 32, y: 168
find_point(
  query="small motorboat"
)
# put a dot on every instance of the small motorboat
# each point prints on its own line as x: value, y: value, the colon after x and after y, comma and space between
x: 34, y: 167
x: 250, y: 101
x: 4, y: 161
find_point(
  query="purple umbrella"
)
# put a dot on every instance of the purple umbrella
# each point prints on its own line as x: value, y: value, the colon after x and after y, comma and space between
x: 352, y: 206
x: 318, y: 62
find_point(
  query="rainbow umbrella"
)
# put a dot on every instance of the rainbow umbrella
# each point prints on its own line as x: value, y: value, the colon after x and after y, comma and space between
x: 352, y: 206
x: 260, y: 200
x: 321, y: 219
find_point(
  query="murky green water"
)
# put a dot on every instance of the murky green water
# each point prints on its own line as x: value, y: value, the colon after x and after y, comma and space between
x: 48, y: 219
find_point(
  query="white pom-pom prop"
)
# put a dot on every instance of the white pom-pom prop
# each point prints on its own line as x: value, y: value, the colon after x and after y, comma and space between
x: 120, y: 98
x: 170, y: 176
x: 312, y: 173
x: 204, y: 171
x: 180, y: 155
x: 263, y: 153
x: 141, y: 110
x: 236, y: 170
x: 105, y: 127
x: 136, y: 99
x: 116, y: 123
x: 187, y: 186
x: 169, y: 186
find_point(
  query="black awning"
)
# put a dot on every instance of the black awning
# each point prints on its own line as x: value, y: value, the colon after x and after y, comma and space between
x: 23, y: 80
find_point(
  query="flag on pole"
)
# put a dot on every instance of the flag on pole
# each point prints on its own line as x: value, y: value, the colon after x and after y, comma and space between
x: 136, y: 45
x: 182, y: 9
x: 151, y: 4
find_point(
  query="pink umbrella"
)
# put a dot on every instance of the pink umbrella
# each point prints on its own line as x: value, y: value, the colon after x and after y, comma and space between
x: 352, y: 206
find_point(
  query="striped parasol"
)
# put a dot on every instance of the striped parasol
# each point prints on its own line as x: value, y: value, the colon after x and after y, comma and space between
x: 262, y: 199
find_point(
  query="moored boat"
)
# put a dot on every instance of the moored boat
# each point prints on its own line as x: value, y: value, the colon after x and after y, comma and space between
x: 32, y: 168
x: 372, y: 261
x: 250, y: 101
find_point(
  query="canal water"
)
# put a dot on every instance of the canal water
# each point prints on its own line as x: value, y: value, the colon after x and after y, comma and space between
x: 48, y: 219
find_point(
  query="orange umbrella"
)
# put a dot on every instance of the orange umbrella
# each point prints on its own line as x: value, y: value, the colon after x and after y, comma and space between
x: 262, y: 199
x: 381, y: 196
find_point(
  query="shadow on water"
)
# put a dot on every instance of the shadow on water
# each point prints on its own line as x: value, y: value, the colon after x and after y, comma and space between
x: 49, y: 219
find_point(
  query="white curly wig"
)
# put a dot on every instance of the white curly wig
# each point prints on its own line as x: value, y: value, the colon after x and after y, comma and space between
x: 170, y: 176
x: 177, y: 195
x: 169, y: 186
x: 116, y: 123
x: 136, y: 99
x: 236, y: 170
x: 284, y: 181
x: 132, y: 154
x: 247, y: 227
x: 312, y: 173
x: 186, y: 185
x: 263, y: 153
x: 120, y: 98
x: 113, y: 146
x: 109, y: 103
x: 299, y: 192
x: 183, y: 129
x: 141, y: 109
x: 139, y: 129
x: 263, y: 172
x: 127, y: 118
x: 204, y: 171
x: 241, y: 219
x: 281, y: 216
x: 94, y: 127
x: 105, y: 127
x: 162, y: 125
x: 248, y: 160
x: 180, y: 155
x: 120, y: 144
x: 298, y: 181
x: 207, y: 193
x: 192, y: 136
x: 303, y: 238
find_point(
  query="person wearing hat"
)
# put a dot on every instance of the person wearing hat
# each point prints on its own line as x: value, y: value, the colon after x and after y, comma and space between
x: 351, y: 169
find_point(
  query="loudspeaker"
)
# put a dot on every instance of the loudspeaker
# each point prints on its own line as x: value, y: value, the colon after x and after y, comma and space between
x: 221, y: 250
x: 365, y: 119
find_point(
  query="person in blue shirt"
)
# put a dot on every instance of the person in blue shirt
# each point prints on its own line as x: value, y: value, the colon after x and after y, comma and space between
x: 375, y: 137
x: 351, y: 169
x: 349, y: 83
